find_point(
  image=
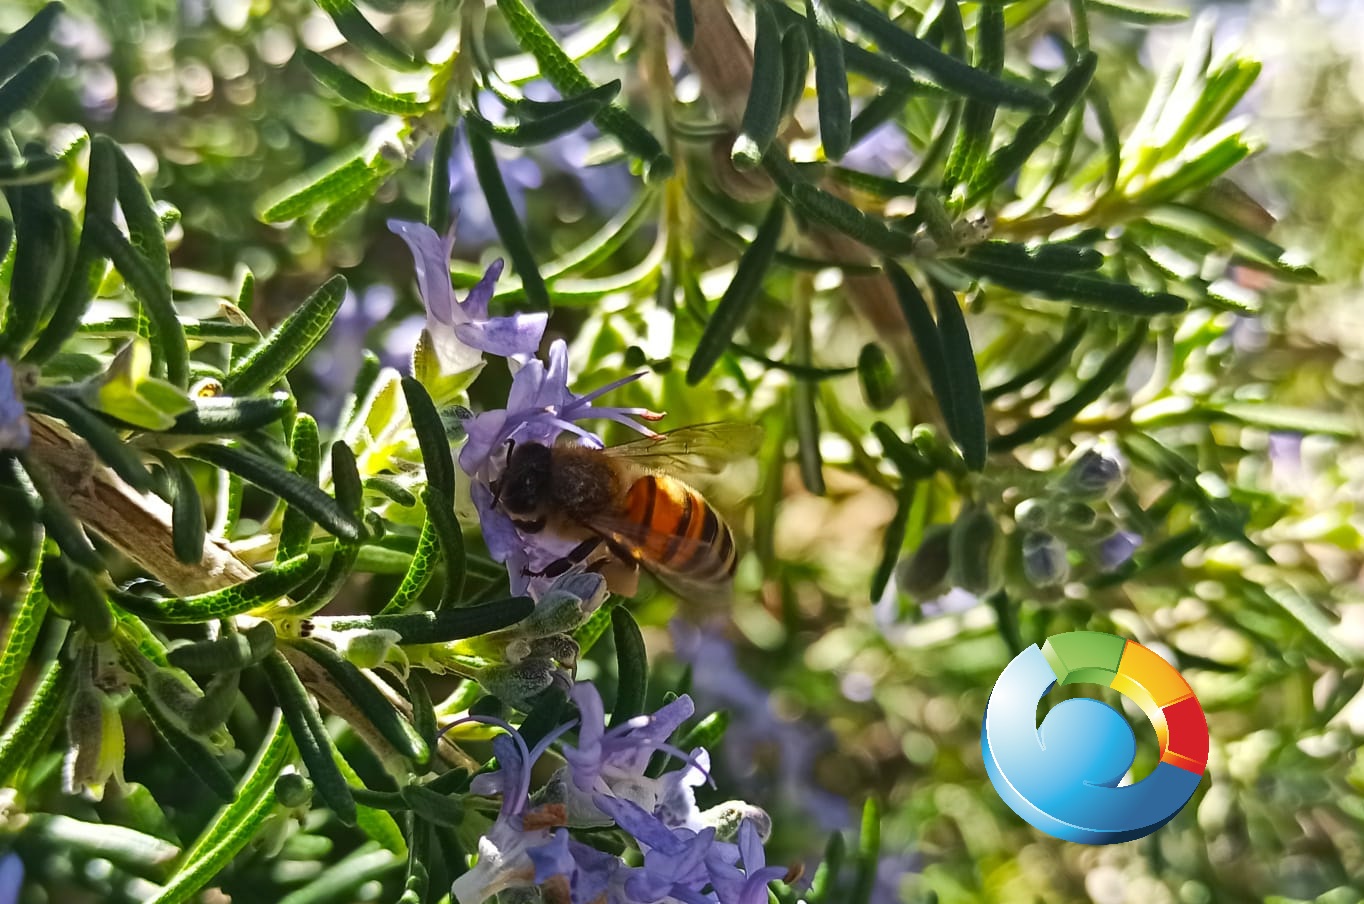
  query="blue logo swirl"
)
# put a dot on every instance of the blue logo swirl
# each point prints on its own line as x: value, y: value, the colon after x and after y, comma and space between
x: 1063, y: 777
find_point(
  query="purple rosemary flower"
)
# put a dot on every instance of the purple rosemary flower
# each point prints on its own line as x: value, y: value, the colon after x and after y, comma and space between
x: 11, y: 878
x: 14, y: 430
x: 540, y: 406
x: 460, y: 331
x: 749, y: 885
x: 677, y: 861
x: 592, y: 875
x: 1117, y: 549
x: 720, y: 683
x: 1044, y: 559
x: 519, y: 172
x: 676, y: 799
x: 503, y: 852
x: 1094, y: 473
x: 882, y: 152
x: 613, y: 760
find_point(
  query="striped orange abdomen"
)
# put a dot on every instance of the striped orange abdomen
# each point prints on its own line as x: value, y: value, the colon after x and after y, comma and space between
x: 679, y: 530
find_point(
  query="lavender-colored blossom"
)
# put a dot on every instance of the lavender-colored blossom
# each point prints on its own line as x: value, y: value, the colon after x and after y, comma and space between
x: 14, y: 429
x: 749, y: 885
x: 884, y: 151
x: 675, y: 859
x: 613, y: 760
x: 676, y: 799
x: 719, y: 682
x: 606, y: 186
x: 592, y: 875
x: 460, y: 331
x: 1044, y: 559
x: 11, y: 878
x: 1094, y: 473
x: 1117, y: 549
x: 503, y: 852
x: 519, y: 174
x: 540, y: 406
x: 954, y: 600
x: 1285, y: 455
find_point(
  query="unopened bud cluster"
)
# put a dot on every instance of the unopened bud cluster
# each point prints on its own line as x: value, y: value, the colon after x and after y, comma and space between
x: 1066, y: 519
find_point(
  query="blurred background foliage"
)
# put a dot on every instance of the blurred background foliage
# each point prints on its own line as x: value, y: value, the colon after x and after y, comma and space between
x: 854, y: 667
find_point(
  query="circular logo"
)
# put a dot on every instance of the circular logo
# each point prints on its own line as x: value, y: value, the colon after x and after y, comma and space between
x: 1063, y: 776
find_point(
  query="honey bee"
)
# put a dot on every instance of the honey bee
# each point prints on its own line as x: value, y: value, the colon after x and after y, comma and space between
x: 623, y: 508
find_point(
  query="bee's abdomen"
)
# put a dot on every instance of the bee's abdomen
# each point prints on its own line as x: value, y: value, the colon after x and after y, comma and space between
x: 679, y: 530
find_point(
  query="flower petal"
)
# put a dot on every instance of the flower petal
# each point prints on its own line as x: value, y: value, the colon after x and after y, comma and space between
x: 14, y: 429
x: 519, y: 334
x: 751, y: 847
x: 475, y: 304
x: 632, y: 818
x: 552, y: 859
x: 484, y: 434
x: 585, y: 760
x: 431, y: 254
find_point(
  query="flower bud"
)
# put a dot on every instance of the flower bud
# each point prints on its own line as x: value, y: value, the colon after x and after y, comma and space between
x: 1094, y: 473
x: 1031, y: 514
x: 924, y: 438
x: 970, y: 546
x: 175, y: 693
x: 1044, y: 559
x: 567, y: 603
x: 560, y: 648
x: 634, y: 358
x: 1117, y: 549
x: 293, y: 790
x: 727, y: 817
x: 367, y: 649
x: 924, y: 571
x: 1078, y: 516
x: 517, y: 683
x: 95, y: 732
x: 213, y: 708
x: 876, y: 377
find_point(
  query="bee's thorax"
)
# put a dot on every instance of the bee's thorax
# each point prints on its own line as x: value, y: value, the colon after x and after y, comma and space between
x: 584, y: 484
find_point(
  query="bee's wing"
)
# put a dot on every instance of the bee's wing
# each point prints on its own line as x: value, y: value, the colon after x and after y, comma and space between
x: 709, y: 586
x: 698, y: 449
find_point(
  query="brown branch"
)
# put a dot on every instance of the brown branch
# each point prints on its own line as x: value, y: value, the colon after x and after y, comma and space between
x: 139, y: 526
x: 136, y: 524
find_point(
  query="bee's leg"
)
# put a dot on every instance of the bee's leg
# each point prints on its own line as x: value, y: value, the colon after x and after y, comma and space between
x: 530, y: 527
x: 621, y: 573
x: 575, y: 556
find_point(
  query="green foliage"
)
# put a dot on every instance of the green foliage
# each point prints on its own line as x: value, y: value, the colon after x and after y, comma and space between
x: 1054, y: 268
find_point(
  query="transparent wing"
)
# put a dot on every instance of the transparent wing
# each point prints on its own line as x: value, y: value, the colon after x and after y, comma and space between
x: 698, y: 449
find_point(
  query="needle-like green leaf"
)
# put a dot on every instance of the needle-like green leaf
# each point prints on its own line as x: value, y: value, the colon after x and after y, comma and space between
x: 288, y: 343
x: 632, y: 667
x: 735, y: 304
x: 263, y: 589
x: 564, y: 74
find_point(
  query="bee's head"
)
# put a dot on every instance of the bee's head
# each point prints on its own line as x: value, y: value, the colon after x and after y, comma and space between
x: 524, y: 485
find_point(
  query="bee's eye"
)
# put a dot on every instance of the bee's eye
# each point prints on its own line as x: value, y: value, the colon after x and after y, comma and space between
x: 521, y: 493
